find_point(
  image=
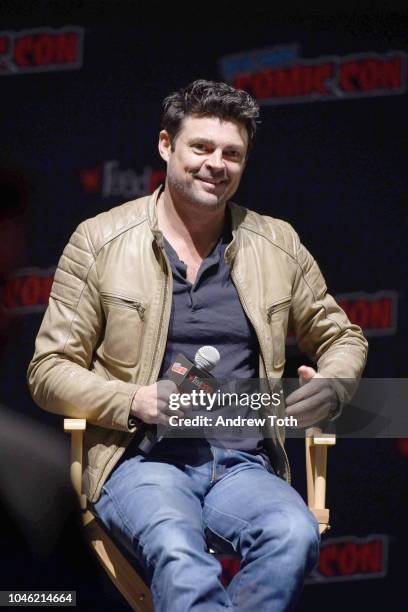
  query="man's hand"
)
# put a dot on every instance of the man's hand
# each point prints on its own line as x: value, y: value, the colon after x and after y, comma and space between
x: 313, y: 401
x: 151, y: 403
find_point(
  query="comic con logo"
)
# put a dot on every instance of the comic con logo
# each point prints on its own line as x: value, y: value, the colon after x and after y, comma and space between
x: 279, y: 76
x: 27, y: 291
x: 109, y: 179
x: 376, y: 313
x: 41, y: 50
x: 351, y: 558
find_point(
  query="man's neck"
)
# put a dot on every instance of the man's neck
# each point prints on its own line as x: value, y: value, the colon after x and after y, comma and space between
x: 191, y: 231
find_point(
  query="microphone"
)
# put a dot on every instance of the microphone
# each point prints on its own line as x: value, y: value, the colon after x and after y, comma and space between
x: 207, y: 358
x: 188, y: 376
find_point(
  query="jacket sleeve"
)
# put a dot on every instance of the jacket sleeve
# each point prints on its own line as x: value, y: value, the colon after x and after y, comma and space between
x: 323, y: 330
x: 59, y: 376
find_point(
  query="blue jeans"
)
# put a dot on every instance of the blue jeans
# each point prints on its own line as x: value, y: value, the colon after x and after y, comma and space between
x: 161, y: 506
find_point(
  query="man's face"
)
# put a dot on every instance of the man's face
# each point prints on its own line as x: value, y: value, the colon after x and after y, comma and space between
x: 208, y: 160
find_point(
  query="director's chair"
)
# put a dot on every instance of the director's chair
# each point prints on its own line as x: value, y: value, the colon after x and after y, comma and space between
x: 121, y: 571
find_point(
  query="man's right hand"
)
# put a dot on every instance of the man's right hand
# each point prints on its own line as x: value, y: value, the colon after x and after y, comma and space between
x: 151, y: 403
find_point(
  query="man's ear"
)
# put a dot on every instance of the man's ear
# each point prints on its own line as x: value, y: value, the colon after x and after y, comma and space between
x: 164, y: 145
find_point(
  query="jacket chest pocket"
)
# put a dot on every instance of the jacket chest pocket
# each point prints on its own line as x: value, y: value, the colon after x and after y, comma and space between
x: 125, y: 323
x: 277, y: 317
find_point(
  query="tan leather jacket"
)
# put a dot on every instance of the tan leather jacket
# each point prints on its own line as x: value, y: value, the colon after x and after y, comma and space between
x: 105, y: 329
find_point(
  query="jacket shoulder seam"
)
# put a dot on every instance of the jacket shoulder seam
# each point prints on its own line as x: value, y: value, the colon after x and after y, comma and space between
x: 269, y: 239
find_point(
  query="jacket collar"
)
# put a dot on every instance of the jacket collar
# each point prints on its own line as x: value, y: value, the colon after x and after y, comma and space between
x: 151, y: 213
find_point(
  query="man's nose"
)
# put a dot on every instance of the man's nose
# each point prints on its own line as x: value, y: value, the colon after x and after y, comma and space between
x: 215, y: 161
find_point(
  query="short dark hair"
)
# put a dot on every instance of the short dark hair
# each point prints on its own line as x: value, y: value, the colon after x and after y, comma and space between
x: 209, y: 99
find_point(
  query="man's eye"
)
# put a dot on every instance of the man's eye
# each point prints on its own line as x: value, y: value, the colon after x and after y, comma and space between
x: 234, y: 154
x: 200, y: 147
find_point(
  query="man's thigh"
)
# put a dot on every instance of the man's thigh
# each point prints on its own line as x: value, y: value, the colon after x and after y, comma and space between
x: 142, y: 497
x: 249, y: 496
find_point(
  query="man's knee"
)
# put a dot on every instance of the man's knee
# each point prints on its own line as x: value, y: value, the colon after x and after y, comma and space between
x: 293, y: 530
x: 304, y: 536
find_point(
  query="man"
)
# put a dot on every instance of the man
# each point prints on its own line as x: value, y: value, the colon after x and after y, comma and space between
x: 169, y: 273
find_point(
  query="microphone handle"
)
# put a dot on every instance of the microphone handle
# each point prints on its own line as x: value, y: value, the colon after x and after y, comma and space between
x: 149, y: 441
x: 150, y: 438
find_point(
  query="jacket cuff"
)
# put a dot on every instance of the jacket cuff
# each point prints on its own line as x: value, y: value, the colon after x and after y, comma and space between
x: 337, y: 410
x: 133, y: 423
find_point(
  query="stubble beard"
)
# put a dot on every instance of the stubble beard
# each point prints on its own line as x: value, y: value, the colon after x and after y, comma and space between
x: 187, y: 194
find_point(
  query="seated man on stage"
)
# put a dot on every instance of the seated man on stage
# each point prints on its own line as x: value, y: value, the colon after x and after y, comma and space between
x: 163, y: 275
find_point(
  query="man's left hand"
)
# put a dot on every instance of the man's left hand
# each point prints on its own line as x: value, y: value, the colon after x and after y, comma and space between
x: 313, y: 401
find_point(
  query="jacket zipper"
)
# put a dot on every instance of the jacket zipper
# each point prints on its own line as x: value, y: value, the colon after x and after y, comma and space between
x: 124, y: 302
x: 281, y: 305
x: 241, y: 297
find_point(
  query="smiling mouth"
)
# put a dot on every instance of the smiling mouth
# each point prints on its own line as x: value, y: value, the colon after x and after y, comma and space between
x: 209, y: 182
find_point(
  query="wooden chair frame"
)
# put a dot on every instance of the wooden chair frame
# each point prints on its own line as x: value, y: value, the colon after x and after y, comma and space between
x: 123, y: 575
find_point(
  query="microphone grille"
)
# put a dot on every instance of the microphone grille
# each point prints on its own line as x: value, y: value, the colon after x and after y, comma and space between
x: 207, y: 357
